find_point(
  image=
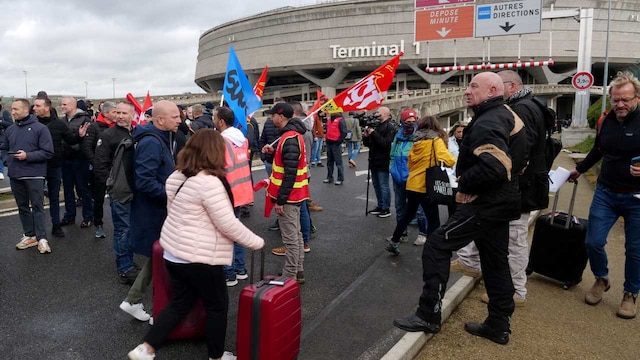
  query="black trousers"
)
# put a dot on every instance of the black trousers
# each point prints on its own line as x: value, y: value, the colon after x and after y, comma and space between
x: 492, y: 240
x: 415, y: 199
x: 98, y: 190
x: 192, y: 282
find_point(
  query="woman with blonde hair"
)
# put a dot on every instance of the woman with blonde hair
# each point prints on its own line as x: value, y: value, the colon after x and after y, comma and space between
x: 429, y: 141
x: 197, y: 238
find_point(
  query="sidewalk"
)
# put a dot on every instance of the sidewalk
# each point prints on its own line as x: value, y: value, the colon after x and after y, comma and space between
x: 555, y: 323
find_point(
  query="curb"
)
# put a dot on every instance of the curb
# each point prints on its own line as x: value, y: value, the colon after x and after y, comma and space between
x: 411, y: 343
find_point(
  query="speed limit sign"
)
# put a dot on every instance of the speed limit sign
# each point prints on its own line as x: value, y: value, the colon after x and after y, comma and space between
x: 582, y: 80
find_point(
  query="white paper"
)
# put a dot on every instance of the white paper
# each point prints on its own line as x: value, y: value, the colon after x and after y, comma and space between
x: 558, y: 177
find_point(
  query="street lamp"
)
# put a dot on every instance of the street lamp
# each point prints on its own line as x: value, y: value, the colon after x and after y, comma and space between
x: 86, y: 89
x: 114, y: 87
x: 605, y: 79
x: 26, y: 91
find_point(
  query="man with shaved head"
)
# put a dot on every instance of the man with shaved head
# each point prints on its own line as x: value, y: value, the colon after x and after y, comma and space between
x: 379, y: 141
x: 153, y: 162
x: 492, y: 155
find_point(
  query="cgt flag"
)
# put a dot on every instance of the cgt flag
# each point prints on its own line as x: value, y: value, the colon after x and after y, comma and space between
x: 238, y: 92
x: 367, y: 93
x: 258, y: 88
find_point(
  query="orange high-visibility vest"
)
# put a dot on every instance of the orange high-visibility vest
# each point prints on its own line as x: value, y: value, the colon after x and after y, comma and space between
x: 300, y: 191
x: 238, y: 172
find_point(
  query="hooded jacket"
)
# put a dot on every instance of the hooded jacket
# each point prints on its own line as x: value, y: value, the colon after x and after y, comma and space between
x: 427, y: 143
x: 492, y: 155
x: 74, y: 151
x: 33, y: 138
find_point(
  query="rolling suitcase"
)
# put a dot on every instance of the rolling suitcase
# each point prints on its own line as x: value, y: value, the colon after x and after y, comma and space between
x: 557, y: 248
x: 269, y: 318
x: 193, y: 325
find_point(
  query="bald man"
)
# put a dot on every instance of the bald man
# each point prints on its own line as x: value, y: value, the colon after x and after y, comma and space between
x: 492, y: 155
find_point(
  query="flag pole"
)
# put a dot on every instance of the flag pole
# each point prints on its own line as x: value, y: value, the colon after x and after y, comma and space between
x: 221, y: 100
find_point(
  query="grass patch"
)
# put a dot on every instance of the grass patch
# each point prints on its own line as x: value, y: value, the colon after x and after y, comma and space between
x: 583, y: 147
x: 8, y: 196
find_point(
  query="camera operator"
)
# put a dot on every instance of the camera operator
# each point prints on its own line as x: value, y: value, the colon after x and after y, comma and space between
x: 379, y: 141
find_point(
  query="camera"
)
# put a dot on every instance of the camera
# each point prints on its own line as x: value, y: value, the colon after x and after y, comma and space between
x: 368, y: 120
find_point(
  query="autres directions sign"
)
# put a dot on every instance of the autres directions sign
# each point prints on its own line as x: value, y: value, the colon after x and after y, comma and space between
x: 508, y: 18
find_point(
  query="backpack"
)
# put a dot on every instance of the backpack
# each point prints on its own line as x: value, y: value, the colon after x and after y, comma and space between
x: 120, y: 179
x: 552, y: 147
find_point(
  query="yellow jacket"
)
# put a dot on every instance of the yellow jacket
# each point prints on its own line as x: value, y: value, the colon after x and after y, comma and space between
x: 420, y: 159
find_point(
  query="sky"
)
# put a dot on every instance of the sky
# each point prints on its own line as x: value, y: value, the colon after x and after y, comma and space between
x: 77, y: 47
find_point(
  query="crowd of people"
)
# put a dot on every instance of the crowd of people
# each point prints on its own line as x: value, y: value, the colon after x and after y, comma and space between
x: 189, y: 175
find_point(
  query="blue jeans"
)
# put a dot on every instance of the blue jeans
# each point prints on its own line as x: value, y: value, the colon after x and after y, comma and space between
x: 2, y: 161
x: 267, y: 168
x: 380, y: 180
x: 305, y: 222
x: 353, y: 149
x: 121, y: 215
x: 606, y: 207
x: 334, y: 155
x: 237, y: 264
x: 316, y: 151
x: 76, y: 173
x: 54, y: 179
x: 29, y: 196
x: 401, y: 208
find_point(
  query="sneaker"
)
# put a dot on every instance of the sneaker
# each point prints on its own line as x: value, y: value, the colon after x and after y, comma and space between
x: 319, y: 165
x: 85, y: 223
x: 594, y: 295
x: 65, y: 222
x: 57, y: 231
x: 393, y: 248
x: 403, y: 238
x: 420, y: 240
x: 128, y: 277
x: 280, y: 251
x: 1, y: 175
x: 352, y: 164
x: 339, y: 182
x: 314, y: 207
x: 140, y: 353
x: 231, y: 283
x: 307, y: 248
x: 300, y: 277
x: 43, y: 246
x: 384, y: 214
x: 375, y: 211
x: 135, y: 310
x: 274, y: 227
x: 99, y: 232
x: 27, y: 242
x: 227, y: 355
x: 326, y: 181
x: 628, y: 306
x: 519, y: 302
x: 457, y: 266
x: 313, y: 229
x: 242, y: 275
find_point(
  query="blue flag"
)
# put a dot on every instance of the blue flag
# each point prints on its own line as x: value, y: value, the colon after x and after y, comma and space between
x: 238, y: 93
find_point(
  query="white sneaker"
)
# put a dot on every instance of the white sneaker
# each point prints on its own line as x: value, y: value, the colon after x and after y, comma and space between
x: 135, y: 310
x: 43, y: 246
x: 140, y: 353
x: 420, y: 240
x: 1, y: 176
x: 228, y: 356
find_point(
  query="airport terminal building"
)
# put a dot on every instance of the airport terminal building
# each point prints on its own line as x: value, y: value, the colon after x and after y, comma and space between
x: 332, y: 44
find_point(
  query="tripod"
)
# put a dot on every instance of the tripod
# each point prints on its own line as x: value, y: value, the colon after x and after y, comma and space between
x: 366, y: 205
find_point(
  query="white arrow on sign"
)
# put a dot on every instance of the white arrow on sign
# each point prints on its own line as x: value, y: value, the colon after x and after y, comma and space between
x: 444, y: 31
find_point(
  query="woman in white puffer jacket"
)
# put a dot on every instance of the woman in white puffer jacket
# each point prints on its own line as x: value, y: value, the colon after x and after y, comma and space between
x: 197, y: 238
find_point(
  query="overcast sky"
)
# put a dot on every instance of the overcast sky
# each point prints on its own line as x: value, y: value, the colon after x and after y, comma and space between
x: 145, y: 45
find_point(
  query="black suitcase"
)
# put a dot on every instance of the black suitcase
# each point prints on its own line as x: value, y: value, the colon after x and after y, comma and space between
x: 557, y: 249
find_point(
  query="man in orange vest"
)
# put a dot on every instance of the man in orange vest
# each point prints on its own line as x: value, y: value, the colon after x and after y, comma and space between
x: 289, y: 186
x: 239, y: 178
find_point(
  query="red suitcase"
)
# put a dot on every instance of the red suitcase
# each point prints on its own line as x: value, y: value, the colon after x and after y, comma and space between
x: 193, y: 325
x: 269, y: 319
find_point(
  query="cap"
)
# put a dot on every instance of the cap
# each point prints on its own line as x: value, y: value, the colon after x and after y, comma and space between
x: 283, y: 109
x: 148, y: 112
x: 407, y: 113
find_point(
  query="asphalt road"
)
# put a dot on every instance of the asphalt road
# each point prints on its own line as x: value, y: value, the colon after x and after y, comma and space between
x: 64, y: 305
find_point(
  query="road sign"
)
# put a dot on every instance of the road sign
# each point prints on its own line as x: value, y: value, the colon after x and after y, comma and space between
x: 448, y: 23
x: 582, y: 80
x: 508, y: 18
x: 429, y: 3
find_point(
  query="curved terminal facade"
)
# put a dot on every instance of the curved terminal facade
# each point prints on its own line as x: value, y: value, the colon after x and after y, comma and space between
x: 331, y: 45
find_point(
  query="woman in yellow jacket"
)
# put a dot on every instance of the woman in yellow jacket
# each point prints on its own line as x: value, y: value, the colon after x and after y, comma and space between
x: 429, y: 139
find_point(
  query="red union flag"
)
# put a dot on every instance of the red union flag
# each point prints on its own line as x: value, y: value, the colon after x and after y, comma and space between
x: 367, y: 93
x: 258, y: 88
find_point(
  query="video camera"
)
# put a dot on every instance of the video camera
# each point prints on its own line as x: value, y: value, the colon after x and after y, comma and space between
x: 368, y: 120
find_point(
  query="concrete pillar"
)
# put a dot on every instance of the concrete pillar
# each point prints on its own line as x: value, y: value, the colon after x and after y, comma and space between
x: 584, y: 64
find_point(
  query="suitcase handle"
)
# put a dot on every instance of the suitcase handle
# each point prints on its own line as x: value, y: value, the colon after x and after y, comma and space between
x: 253, y: 265
x: 571, y: 203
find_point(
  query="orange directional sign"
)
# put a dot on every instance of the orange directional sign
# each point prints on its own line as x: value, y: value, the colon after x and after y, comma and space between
x: 448, y: 23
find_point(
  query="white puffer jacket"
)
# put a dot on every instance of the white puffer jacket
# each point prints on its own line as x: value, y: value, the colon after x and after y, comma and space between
x: 201, y: 226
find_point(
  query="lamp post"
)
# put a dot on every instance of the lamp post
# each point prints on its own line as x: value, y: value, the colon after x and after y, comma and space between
x: 605, y: 79
x: 86, y: 89
x: 26, y: 90
x: 114, y: 87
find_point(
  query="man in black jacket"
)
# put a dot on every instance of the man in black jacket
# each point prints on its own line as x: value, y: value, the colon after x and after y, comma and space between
x: 5, y: 121
x: 379, y: 142
x: 75, y: 168
x: 200, y: 121
x: 106, y: 119
x: 59, y: 132
x: 107, y: 143
x: 492, y: 154
x: 534, y: 187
